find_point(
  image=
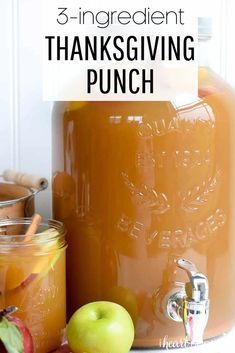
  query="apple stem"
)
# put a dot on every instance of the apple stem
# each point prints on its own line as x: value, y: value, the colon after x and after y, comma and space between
x: 8, y: 311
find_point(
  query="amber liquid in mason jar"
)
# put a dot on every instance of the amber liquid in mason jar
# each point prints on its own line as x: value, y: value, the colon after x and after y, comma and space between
x: 32, y: 278
x: 140, y: 184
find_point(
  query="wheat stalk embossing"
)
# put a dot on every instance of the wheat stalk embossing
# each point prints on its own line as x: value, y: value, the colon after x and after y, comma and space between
x: 147, y: 196
x: 198, y: 196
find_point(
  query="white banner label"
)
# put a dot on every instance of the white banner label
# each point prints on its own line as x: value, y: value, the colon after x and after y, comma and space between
x: 104, y: 51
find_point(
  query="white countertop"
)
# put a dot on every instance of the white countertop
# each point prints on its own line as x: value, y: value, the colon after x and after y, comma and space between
x: 224, y: 344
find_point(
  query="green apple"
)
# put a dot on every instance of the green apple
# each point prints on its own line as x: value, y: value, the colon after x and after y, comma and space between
x: 100, y: 327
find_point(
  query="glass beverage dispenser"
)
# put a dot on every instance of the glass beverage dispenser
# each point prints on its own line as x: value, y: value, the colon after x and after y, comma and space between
x: 147, y: 193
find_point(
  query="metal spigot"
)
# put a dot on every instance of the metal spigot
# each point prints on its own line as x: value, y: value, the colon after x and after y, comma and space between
x: 190, y: 304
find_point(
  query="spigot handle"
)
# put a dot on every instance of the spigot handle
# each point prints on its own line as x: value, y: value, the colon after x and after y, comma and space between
x: 195, y: 311
x: 197, y: 289
x: 190, y: 303
x: 188, y: 266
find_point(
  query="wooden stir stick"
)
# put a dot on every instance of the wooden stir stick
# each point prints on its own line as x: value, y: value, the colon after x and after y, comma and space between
x: 32, y: 229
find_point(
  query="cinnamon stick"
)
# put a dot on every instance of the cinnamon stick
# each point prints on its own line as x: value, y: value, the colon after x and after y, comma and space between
x: 32, y: 229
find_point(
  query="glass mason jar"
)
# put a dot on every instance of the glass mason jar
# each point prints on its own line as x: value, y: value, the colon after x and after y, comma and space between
x: 32, y: 278
x: 140, y: 186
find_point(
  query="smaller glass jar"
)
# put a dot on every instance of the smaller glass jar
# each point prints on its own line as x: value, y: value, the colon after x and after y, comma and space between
x: 32, y: 278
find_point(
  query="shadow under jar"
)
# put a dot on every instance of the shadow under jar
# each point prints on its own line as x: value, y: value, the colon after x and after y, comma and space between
x: 32, y: 278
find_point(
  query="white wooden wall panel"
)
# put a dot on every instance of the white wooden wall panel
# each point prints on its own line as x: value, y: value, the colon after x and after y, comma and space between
x: 229, y: 57
x: 6, y: 81
x: 34, y: 115
x: 25, y: 122
x: 25, y: 129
